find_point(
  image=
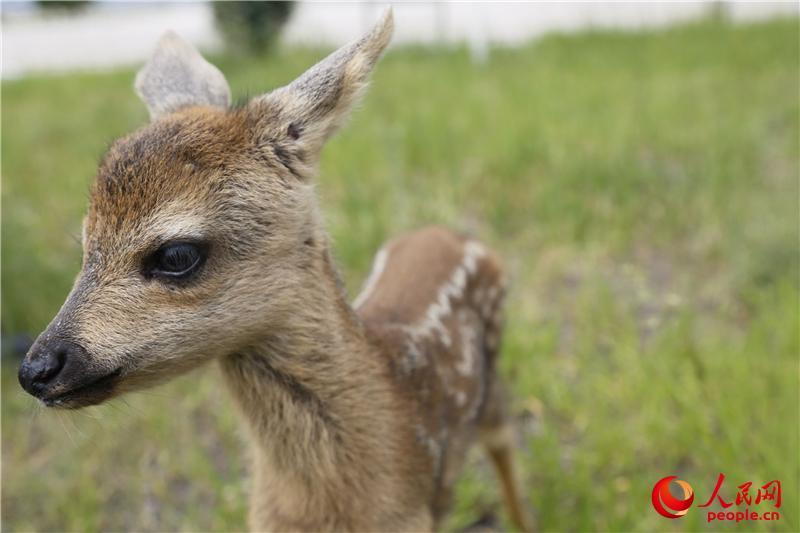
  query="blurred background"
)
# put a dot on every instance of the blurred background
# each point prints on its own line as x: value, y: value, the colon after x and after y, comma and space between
x: 636, y: 164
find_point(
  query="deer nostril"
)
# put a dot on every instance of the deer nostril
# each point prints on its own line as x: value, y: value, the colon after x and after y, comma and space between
x: 53, y: 364
x: 43, y: 366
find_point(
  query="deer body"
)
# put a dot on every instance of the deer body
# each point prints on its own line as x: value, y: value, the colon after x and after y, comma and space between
x: 203, y: 242
x: 379, y: 404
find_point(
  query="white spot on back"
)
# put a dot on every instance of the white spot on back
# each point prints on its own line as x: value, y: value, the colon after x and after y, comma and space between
x: 452, y: 289
x: 433, y: 446
x: 414, y: 358
x: 377, y: 269
x: 469, y: 338
x: 461, y: 398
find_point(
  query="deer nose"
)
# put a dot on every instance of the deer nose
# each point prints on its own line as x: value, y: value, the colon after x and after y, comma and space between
x: 44, y: 363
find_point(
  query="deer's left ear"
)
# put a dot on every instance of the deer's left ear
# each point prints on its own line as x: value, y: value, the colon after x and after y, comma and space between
x: 177, y: 76
x: 311, y: 108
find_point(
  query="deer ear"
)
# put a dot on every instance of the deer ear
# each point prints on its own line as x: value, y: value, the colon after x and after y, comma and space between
x: 311, y: 108
x: 177, y: 76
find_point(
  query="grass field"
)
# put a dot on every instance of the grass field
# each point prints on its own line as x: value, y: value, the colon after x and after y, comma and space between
x: 643, y: 189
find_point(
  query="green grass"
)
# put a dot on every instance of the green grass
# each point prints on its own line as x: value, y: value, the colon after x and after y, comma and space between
x: 643, y: 189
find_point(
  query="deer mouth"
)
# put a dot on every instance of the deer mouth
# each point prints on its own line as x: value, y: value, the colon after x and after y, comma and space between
x: 91, y: 393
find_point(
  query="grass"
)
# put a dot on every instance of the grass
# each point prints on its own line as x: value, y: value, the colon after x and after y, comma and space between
x: 643, y: 188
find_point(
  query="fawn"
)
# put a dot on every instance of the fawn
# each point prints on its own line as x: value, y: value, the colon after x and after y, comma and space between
x: 203, y: 241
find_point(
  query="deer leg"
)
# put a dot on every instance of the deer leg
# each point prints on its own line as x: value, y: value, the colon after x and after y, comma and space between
x: 497, y: 437
x: 503, y: 459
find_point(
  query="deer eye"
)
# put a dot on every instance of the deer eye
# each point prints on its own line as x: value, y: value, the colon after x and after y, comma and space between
x: 177, y: 260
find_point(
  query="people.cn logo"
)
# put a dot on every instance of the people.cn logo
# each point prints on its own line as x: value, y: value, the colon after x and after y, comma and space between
x: 668, y: 505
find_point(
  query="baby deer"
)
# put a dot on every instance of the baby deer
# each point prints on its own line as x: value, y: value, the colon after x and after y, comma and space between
x: 203, y: 241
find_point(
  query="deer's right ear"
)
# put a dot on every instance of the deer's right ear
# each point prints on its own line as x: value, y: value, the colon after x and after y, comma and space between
x: 177, y: 76
x: 300, y: 117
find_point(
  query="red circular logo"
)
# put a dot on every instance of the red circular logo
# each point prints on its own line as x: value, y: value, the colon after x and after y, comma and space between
x: 668, y: 505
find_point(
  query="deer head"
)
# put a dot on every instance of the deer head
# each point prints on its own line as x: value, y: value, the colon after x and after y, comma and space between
x: 202, y: 229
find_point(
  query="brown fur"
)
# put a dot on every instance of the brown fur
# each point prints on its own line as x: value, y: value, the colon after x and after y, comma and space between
x: 359, y: 419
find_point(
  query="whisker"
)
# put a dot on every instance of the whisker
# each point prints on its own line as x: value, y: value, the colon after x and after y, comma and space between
x: 71, y: 418
x: 61, y: 420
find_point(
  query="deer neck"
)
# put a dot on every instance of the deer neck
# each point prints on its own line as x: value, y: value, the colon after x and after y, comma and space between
x: 315, y: 396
